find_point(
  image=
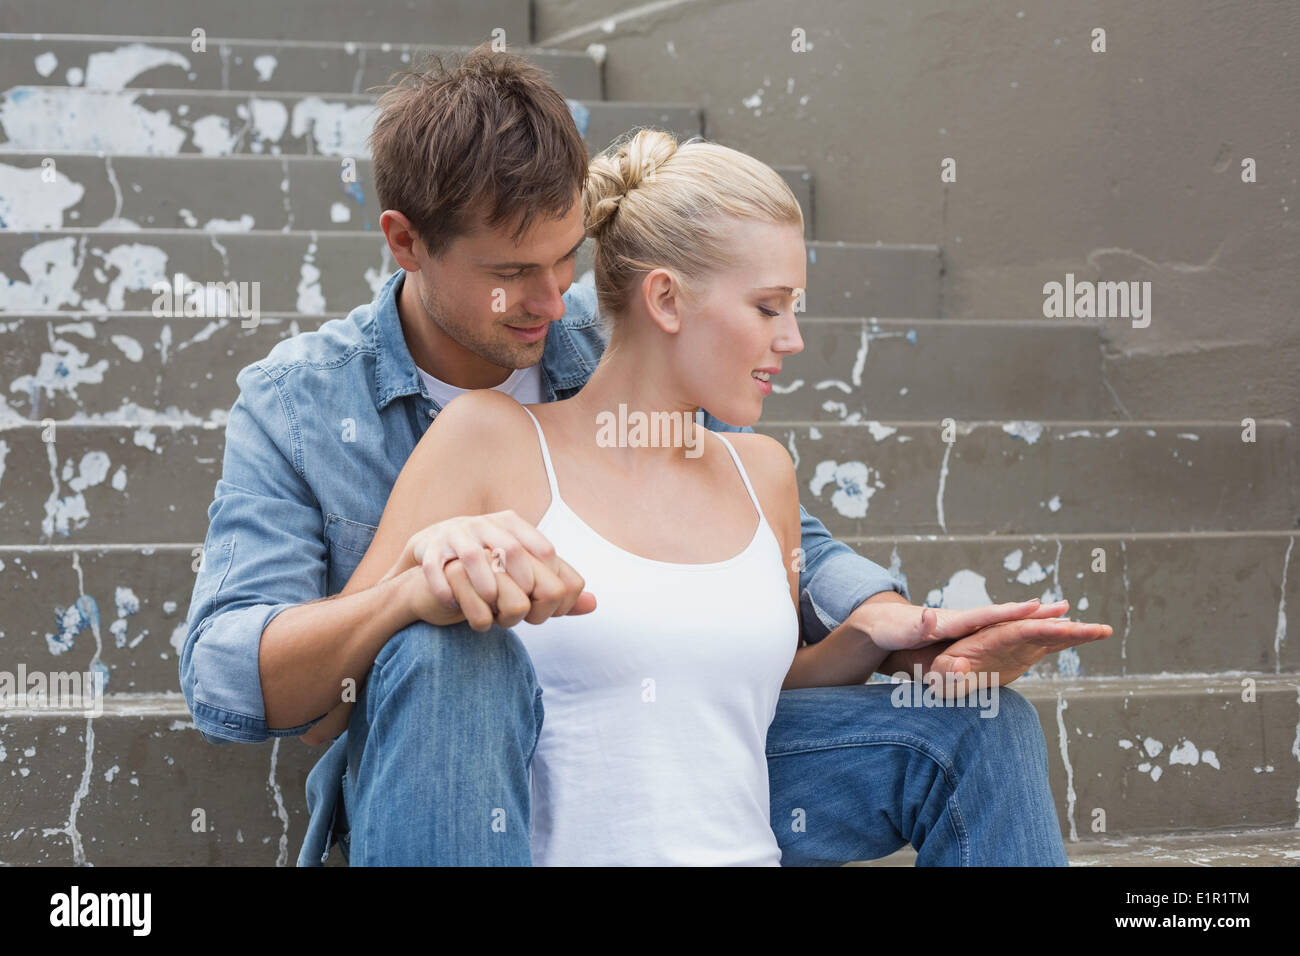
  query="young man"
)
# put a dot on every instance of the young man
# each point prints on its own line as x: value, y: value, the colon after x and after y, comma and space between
x: 479, y: 169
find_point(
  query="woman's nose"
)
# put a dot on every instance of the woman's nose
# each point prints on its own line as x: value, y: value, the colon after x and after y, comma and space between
x: 788, y: 340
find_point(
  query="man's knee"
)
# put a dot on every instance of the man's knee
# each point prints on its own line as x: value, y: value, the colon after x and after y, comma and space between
x: 457, y: 656
x: 1007, y: 726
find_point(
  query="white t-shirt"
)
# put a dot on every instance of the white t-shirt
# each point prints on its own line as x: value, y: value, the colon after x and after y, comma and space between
x: 524, y: 385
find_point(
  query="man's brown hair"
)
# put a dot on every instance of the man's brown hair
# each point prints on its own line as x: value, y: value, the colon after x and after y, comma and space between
x: 490, y: 137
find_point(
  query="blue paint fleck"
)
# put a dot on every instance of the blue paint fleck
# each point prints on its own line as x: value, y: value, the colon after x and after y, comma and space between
x: 911, y: 336
x: 581, y: 115
x: 71, y: 621
x: 355, y: 193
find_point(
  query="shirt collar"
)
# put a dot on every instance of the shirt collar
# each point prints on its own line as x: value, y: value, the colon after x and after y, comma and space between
x: 564, y: 365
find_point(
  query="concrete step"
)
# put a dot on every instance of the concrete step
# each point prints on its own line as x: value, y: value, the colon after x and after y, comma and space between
x: 1139, y: 758
x: 437, y: 21
x: 317, y: 272
x: 54, y: 119
x: 224, y: 194
x: 1230, y: 617
x: 1272, y: 847
x: 119, y: 483
x: 866, y: 477
x: 264, y: 66
x: 53, y: 367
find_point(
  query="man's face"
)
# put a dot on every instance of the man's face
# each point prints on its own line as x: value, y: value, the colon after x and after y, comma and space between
x: 496, y: 299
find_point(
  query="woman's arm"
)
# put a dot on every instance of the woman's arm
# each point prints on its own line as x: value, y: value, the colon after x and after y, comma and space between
x: 442, y: 478
x: 845, y: 655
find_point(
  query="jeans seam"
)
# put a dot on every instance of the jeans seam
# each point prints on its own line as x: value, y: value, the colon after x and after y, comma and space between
x: 919, y: 744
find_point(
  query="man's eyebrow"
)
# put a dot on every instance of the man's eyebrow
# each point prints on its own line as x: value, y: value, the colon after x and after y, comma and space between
x: 528, y: 265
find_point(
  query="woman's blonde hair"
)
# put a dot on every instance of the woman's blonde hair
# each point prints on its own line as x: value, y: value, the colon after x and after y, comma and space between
x: 650, y: 202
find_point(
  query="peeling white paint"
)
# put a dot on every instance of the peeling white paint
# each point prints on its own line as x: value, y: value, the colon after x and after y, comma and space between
x: 51, y: 268
x: 265, y: 66
x: 269, y: 119
x: 1032, y: 574
x: 1029, y: 431
x: 339, y: 212
x: 1279, y: 632
x: 212, y: 137
x: 965, y: 589
x: 943, y: 484
x: 78, y: 120
x: 114, y: 69
x: 27, y: 202
x: 138, y: 266
x: 879, y: 431
x: 46, y: 63
x: 244, y: 223
x: 282, y: 858
x: 1012, y: 561
x: 333, y: 129
x: 854, y: 485
x: 310, y: 299
x: 128, y: 346
x: 1064, y: 739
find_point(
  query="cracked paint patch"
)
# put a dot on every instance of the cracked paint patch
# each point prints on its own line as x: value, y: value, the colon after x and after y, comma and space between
x: 965, y: 589
x: 1064, y: 742
x: 854, y: 485
x: 28, y: 202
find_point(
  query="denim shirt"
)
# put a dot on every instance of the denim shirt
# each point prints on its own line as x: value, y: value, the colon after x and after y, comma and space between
x: 314, y: 444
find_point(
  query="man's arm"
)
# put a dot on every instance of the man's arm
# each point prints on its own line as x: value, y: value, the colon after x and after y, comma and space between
x: 264, y: 569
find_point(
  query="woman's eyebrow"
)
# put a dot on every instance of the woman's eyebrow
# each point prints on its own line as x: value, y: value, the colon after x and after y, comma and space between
x: 776, y: 288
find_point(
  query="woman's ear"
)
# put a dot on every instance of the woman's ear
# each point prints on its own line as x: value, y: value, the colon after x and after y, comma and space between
x: 662, y: 294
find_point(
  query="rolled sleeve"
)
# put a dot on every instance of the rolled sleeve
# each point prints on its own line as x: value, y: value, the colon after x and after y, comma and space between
x: 264, y: 553
x: 835, y: 582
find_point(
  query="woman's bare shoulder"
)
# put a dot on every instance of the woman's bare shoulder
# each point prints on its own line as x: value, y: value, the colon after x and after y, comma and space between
x: 489, y: 432
x: 771, y: 471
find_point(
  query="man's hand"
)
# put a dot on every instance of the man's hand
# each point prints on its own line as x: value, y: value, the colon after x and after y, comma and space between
x: 1005, y: 651
x: 894, y: 624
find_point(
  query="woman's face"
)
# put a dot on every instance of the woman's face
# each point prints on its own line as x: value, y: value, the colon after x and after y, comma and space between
x: 738, y: 334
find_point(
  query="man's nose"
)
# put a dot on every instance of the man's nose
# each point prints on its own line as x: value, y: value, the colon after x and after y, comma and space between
x: 544, y: 298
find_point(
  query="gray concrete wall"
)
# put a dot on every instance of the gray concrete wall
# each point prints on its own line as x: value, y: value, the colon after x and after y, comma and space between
x: 1122, y: 165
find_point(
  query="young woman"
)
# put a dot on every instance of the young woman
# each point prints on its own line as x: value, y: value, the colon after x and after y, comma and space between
x: 657, y: 703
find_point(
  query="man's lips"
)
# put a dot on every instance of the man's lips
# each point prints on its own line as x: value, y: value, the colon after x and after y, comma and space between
x: 529, y: 333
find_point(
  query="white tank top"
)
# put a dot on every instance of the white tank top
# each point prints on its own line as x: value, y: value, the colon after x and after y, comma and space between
x: 656, y: 705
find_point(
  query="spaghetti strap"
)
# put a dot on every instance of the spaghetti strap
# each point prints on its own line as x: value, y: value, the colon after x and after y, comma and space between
x: 744, y: 476
x: 546, y: 457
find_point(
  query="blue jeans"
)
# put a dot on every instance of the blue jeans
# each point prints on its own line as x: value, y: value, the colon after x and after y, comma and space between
x: 433, y: 769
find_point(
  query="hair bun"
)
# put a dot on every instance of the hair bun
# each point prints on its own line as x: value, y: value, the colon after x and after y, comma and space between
x: 627, y: 164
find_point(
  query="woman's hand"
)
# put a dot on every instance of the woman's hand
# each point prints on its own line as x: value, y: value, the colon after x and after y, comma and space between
x: 553, y: 595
